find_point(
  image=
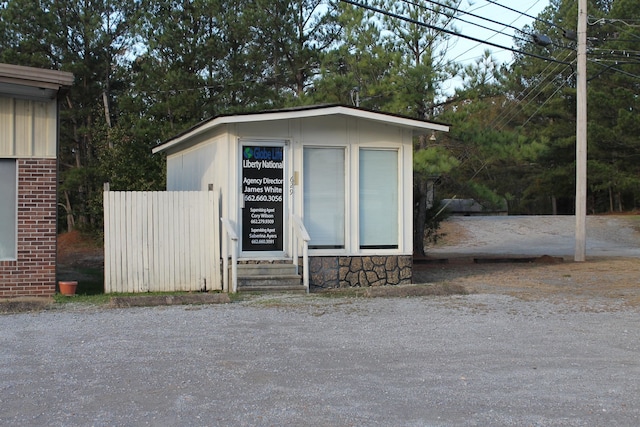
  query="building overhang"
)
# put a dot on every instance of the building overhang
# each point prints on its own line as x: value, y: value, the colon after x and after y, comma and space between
x: 418, y: 127
x: 17, y: 81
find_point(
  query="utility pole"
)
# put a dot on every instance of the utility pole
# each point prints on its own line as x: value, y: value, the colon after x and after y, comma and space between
x: 581, y: 134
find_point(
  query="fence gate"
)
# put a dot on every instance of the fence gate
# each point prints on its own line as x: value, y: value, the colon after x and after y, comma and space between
x: 160, y: 241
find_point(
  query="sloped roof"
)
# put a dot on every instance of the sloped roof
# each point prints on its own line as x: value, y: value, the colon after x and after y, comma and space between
x: 30, y: 82
x: 418, y: 126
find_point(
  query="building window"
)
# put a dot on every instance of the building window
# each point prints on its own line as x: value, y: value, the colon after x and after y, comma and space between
x: 324, y: 197
x: 8, y: 210
x: 378, y: 199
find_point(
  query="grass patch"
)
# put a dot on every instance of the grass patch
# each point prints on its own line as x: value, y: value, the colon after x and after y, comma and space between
x: 133, y: 299
x: 90, y: 285
x: 94, y: 299
x: 92, y: 282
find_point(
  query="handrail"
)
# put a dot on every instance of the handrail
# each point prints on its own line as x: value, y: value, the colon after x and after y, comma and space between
x: 230, y: 234
x: 301, y: 233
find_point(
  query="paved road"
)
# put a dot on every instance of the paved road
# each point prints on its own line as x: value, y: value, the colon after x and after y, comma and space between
x: 477, y: 360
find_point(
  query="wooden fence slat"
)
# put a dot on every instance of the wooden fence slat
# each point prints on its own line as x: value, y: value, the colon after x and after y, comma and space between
x: 108, y: 234
x: 122, y: 240
x: 161, y: 241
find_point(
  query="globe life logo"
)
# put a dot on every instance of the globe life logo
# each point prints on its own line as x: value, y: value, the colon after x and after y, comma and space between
x: 263, y: 153
x: 262, y: 158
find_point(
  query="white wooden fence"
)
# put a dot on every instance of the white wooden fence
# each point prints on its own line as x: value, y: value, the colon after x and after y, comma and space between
x: 161, y: 241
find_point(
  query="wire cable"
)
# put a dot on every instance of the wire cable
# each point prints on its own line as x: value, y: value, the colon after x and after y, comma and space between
x: 528, y: 16
x: 564, y: 83
x: 509, y: 113
x: 446, y: 31
x: 635, y: 76
x: 464, y: 20
x: 510, y: 25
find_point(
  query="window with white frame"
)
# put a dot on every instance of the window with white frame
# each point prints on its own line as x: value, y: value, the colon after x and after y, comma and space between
x: 378, y: 197
x: 324, y: 196
x: 8, y: 209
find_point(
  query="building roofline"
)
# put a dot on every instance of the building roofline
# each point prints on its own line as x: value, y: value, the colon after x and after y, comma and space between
x: 35, y: 76
x: 35, y: 83
x: 417, y: 125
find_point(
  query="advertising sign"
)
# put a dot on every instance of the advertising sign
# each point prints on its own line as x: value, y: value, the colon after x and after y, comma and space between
x: 263, y: 192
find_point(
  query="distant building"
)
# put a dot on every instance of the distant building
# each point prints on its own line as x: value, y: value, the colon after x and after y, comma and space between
x: 470, y: 207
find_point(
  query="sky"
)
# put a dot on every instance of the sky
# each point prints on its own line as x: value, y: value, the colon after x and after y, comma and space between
x: 465, y: 51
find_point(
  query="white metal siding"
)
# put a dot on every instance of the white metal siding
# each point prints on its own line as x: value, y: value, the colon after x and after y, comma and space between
x: 216, y: 160
x: 161, y: 241
x: 27, y: 128
x: 191, y: 170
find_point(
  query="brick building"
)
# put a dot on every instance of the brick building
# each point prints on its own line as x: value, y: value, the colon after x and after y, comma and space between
x: 28, y: 178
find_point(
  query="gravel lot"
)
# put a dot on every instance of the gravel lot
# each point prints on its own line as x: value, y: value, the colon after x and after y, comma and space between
x: 607, y: 235
x: 532, y: 345
x: 477, y: 360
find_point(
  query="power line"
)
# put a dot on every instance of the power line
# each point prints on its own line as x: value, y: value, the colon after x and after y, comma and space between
x: 528, y: 16
x: 510, y: 25
x: 446, y: 31
x: 611, y: 67
x: 533, y: 94
x: 508, y: 114
x: 462, y: 12
x: 564, y: 83
x: 457, y: 10
x: 616, y: 21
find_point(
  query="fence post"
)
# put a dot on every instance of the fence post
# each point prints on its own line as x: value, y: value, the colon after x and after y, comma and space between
x: 107, y: 234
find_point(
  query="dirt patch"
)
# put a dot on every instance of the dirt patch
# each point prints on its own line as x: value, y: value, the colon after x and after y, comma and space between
x: 75, y: 248
x: 76, y: 252
x: 544, y: 246
x: 615, y: 282
x: 450, y: 233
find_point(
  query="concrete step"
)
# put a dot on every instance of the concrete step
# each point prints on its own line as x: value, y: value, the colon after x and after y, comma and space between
x: 271, y: 284
x: 269, y: 278
x: 249, y: 270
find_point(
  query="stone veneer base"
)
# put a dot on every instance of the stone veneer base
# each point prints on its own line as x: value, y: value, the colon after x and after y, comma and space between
x: 360, y: 271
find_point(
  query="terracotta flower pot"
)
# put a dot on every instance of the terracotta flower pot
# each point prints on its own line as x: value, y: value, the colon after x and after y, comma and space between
x: 68, y: 287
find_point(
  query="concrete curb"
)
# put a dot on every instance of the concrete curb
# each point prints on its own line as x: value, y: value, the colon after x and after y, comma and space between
x: 156, y: 300
x: 25, y: 304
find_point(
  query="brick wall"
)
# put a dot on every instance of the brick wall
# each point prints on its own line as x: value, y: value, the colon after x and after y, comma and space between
x: 34, y: 271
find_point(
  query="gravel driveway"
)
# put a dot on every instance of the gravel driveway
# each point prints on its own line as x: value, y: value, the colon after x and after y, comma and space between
x: 537, y: 235
x: 532, y: 345
x: 476, y: 360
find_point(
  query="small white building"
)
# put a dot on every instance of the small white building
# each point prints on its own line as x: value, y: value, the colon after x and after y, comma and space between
x: 345, y: 173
